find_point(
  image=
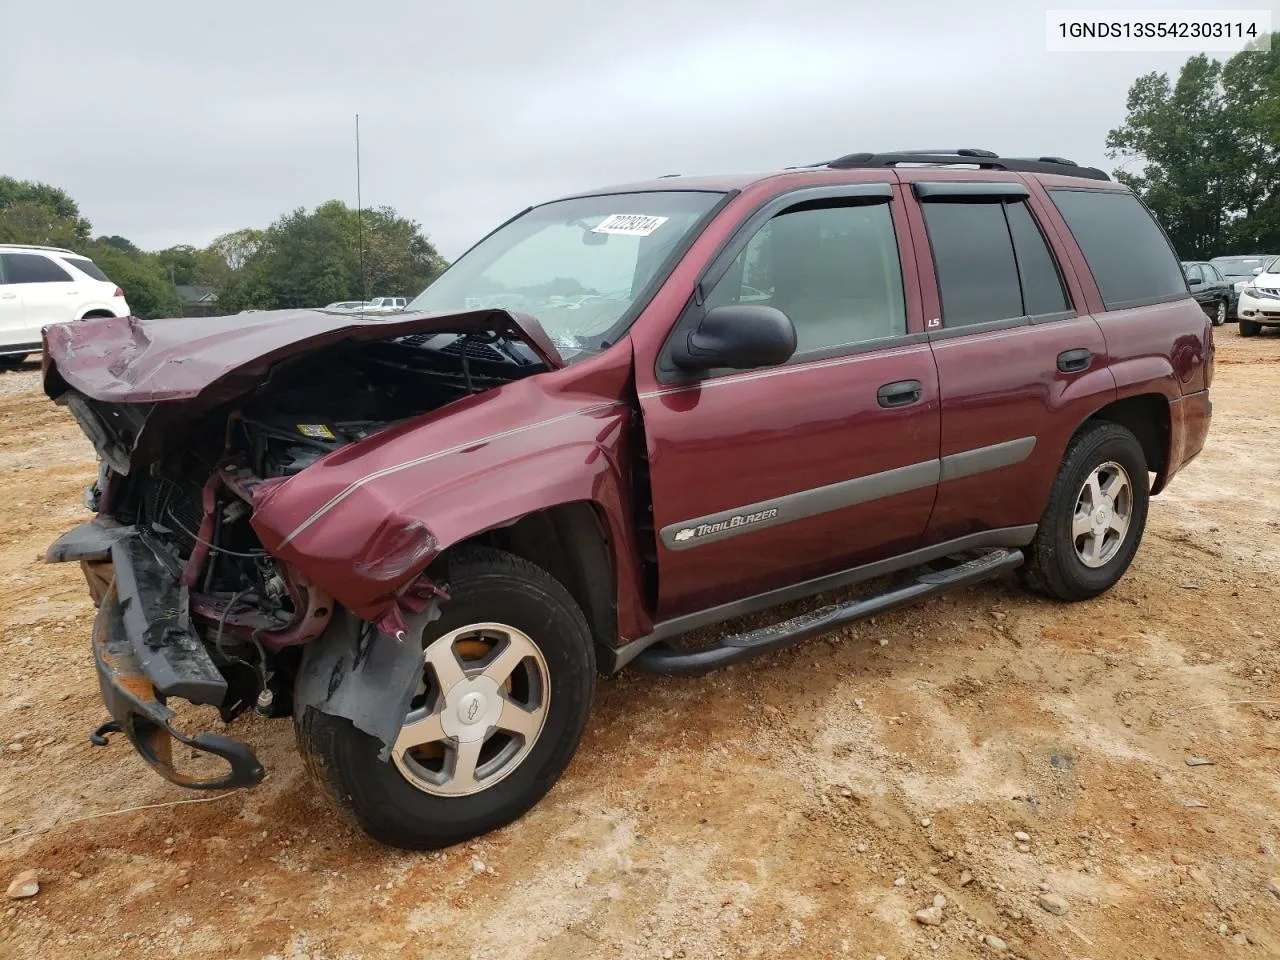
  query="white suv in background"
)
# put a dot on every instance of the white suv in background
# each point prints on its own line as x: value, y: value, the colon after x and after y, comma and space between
x: 44, y: 285
x: 1259, y: 303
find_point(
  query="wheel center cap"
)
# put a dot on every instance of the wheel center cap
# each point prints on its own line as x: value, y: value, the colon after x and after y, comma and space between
x: 471, y: 707
x: 1102, y: 516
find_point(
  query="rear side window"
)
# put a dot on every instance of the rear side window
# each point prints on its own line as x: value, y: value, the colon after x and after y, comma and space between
x: 1042, y: 290
x: 992, y: 262
x: 32, y: 268
x: 1128, y: 254
x: 87, y: 267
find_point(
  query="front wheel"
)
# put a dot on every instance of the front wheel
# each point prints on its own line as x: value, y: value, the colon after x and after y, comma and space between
x: 507, y: 680
x: 1248, y: 328
x: 1095, y: 518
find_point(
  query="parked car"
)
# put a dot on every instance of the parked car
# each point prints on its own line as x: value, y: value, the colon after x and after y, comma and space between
x: 348, y: 305
x: 424, y: 536
x: 1260, y: 300
x: 1214, y: 293
x: 43, y: 285
x: 387, y: 304
x: 1240, y: 270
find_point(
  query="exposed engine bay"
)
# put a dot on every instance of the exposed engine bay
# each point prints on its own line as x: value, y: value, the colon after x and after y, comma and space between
x: 192, y: 504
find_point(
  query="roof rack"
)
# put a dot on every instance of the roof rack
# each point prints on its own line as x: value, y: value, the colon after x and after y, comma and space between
x: 968, y: 156
x: 33, y: 246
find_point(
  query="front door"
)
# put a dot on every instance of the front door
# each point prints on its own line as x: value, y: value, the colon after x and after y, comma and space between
x: 13, y: 329
x: 49, y: 294
x: 767, y: 477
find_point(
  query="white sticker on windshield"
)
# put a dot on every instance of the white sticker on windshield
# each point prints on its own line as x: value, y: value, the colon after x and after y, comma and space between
x: 630, y: 224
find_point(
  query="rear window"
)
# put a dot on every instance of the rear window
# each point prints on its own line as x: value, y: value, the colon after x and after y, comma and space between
x: 86, y: 267
x: 1126, y: 250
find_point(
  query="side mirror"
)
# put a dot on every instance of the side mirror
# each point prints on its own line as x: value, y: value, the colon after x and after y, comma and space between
x: 1257, y: 271
x: 739, y: 336
x: 1194, y: 281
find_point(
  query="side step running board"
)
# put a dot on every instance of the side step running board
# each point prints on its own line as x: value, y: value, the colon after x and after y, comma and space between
x: 661, y: 658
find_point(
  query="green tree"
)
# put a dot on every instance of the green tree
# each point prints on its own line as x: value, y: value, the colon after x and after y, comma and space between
x: 186, y: 265
x: 308, y: 259
x: 1208, y: 147
x: 145, y: 283
x: 40, y: 214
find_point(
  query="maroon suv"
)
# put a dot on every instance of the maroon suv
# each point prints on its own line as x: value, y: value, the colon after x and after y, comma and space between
x: 619, y: 417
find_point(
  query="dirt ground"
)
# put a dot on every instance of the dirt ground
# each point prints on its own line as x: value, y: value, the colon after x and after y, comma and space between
x: 804, y: 805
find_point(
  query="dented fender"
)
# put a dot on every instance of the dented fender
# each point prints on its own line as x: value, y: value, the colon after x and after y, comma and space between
x: 363, y: 522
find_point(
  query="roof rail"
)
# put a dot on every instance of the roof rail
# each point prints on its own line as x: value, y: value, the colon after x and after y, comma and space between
x: 34, y: 246
x: 969, y: 156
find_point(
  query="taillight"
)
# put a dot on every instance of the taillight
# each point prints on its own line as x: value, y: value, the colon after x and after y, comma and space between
x: 118, y: 293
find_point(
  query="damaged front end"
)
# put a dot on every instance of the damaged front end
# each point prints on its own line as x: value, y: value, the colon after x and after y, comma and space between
x: 192, y: 605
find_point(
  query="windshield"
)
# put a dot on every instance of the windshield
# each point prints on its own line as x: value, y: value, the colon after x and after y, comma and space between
x: 1238, y: 266
x: 578, y: 266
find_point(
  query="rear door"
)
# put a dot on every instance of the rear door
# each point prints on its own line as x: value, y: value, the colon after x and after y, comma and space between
x: 48, y: 292
x: 1020, y: 362
x: 768, y: 477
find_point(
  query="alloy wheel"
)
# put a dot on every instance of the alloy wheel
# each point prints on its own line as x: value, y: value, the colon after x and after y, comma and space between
x: 1104, y: 509
x: 479, y: 708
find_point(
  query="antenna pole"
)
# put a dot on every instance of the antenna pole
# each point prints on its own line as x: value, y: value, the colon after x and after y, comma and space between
x: 364, y: 290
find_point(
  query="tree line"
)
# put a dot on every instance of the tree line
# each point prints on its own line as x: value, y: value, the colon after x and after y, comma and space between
x: 304, y: 259
x: 1205, y: 150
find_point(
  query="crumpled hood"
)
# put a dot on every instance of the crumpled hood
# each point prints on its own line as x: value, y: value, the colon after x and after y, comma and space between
x: 127, y: 360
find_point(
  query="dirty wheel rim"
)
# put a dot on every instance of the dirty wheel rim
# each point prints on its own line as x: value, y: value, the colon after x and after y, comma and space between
x: 479, y: 709
x: 1222, y: 312
x: 1103, y: 513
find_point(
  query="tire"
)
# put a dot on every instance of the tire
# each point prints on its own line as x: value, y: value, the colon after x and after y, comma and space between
x: 1055, y: 565
x: 13, y: 359
x: 1220, y: 316
x: 1249, y: 328
x: 493, y: 588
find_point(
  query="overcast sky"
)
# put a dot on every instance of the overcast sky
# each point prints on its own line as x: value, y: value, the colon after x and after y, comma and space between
x: 172, y: 122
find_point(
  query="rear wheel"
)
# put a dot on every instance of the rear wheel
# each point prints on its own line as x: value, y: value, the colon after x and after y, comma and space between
x: 507, y: 680
x: 1095, y: 518
x: 1249, y: 328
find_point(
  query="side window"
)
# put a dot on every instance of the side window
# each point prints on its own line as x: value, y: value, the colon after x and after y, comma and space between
x: 833, y: 269
x: 1127, y: 252
x: 1042, y: 290
x: 32, y: 268
x: 1211, y: 273
x: 973, y: 258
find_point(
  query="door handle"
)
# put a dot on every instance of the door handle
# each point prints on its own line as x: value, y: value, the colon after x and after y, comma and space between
x: 1073, y: 361
x: 899, y: 394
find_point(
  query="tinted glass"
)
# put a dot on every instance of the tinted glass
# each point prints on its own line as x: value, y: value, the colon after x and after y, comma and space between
x: 1127, y: 253
x: 833, y: 270
x: 973, y: 258
x: 1041, y: 283
x: 1211, y: 273
x: 32, y: 268
x: 1194, y: 272
x: 86, y: 267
